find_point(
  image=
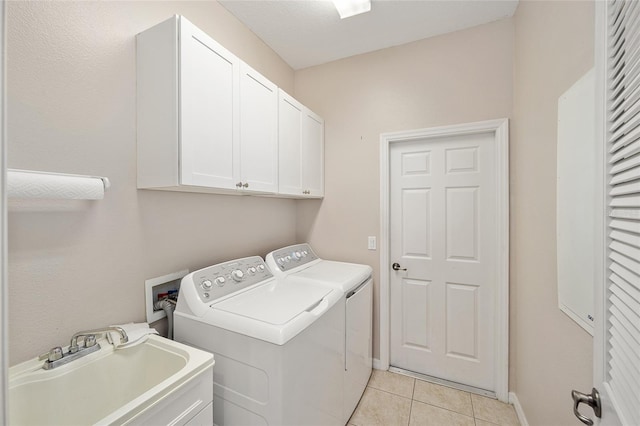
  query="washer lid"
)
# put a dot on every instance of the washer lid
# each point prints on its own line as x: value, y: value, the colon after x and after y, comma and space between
x: 342, y: 275
x: 277, y: 303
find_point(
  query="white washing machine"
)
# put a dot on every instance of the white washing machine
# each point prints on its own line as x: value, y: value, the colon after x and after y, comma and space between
x: 278, y: 347
x: 299, y: 264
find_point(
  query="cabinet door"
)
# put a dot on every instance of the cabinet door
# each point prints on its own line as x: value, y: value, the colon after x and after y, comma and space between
x: 258, y: 131
x: 209, y: 115
x: 290, y: 114
x: 312, y: 154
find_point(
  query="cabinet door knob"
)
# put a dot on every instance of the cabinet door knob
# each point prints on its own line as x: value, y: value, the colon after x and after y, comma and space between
x: 239, y: 185
x: 245, y: 185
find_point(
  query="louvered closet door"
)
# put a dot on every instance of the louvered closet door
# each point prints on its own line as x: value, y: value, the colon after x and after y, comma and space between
x: 621, y: 313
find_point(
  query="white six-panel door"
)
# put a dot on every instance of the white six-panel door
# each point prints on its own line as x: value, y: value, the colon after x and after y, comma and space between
x: 443, y: 221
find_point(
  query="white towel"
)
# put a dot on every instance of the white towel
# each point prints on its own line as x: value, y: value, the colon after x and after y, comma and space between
x: 136, y: 332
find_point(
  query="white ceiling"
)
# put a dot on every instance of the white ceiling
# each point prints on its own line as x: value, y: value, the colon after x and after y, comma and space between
x: 310, y: 32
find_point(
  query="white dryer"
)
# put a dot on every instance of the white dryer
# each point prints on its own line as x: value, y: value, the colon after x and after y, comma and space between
x: 278, y: 347
x: 299, y: 264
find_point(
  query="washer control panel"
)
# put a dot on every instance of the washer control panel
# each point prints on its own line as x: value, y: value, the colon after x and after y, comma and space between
x: 225, y: 278
x: 293, y: 256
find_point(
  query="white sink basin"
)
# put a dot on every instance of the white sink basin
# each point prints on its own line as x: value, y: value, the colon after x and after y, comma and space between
x: 106, y: 387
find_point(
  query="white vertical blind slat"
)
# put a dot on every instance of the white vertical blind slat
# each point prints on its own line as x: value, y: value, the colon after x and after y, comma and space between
x: 632, y: 200
x: 625, y: 225
x: 632, y: 345
x: 625, y: 274
x: 619, y: 105
x: 629, y: 43
x: 630, y: 264
x: 619, y: 362
x: 626, y: 395
x: 621, y: 301
x: 626, y: 187
x: 627, y: 121
x: 626, y: 164
x: 629, y: 145
x: 625, y: 249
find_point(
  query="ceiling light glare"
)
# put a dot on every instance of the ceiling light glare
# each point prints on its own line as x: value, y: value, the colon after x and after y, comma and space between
x: 348, y: 8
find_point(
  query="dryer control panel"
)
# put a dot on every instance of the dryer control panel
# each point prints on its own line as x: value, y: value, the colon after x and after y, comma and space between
x: 217, y: 281
x: 291, y: 257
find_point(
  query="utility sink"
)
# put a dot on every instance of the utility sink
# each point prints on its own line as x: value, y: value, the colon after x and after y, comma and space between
x: 106, y: 387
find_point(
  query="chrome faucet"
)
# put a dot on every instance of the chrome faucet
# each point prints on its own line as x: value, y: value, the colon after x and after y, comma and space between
x: 57, y: 357
x: 73, y: 346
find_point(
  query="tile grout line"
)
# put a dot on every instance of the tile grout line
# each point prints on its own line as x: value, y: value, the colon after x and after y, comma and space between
x: 413, y: 391
x: 473, y: 409
x: 390, y: 393
x: 444, y: 408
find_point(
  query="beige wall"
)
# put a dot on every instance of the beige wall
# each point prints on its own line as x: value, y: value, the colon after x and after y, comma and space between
x: 71, y: 103
x: 552, y: 355
x: 456, y: 78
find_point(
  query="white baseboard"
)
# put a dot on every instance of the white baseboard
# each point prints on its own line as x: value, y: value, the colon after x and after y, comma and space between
x: 377, y: 364
x: 513, y: 399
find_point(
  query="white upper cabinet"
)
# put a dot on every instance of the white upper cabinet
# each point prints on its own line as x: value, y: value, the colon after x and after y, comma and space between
x: 209, y: 101
x: 312, y: 154
x: 207, y: 122
x: 301, y: 149
x: 289, y: 143
x: 258, y: 131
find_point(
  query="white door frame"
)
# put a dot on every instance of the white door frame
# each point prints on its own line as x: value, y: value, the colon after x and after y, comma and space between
x: 501, y: 130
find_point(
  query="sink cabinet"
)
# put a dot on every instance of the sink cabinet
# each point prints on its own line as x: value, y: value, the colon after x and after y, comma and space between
x: 207, y: 122
x: 301, y: 149
x: 190, y: 405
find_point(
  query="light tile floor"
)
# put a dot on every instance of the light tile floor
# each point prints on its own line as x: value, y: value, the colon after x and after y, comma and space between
x: 392, y: 399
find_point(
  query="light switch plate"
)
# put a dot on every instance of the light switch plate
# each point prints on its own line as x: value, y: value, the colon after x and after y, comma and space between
x: 371, y: 243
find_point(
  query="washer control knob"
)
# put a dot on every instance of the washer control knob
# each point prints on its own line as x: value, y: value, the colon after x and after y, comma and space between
x: 281, y: 261
x: 287, y: 259
x: 296, y: 255
x: 304, y: 253
x: 237, y: 275
x: 261, y: 268
x: 252, y: 270
x: 220, y: 281
x: 206, y: 284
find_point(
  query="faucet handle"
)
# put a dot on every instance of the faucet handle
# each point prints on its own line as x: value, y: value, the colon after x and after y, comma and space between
x: 55, y: 354
x: 90, y: 341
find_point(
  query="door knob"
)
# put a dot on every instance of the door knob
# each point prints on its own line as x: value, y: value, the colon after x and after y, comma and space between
x: 396, y: 267
x: 592, y: 401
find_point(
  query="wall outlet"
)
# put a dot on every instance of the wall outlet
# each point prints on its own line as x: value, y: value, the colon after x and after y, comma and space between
x: 156, y: 288
x: 371, y: 243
